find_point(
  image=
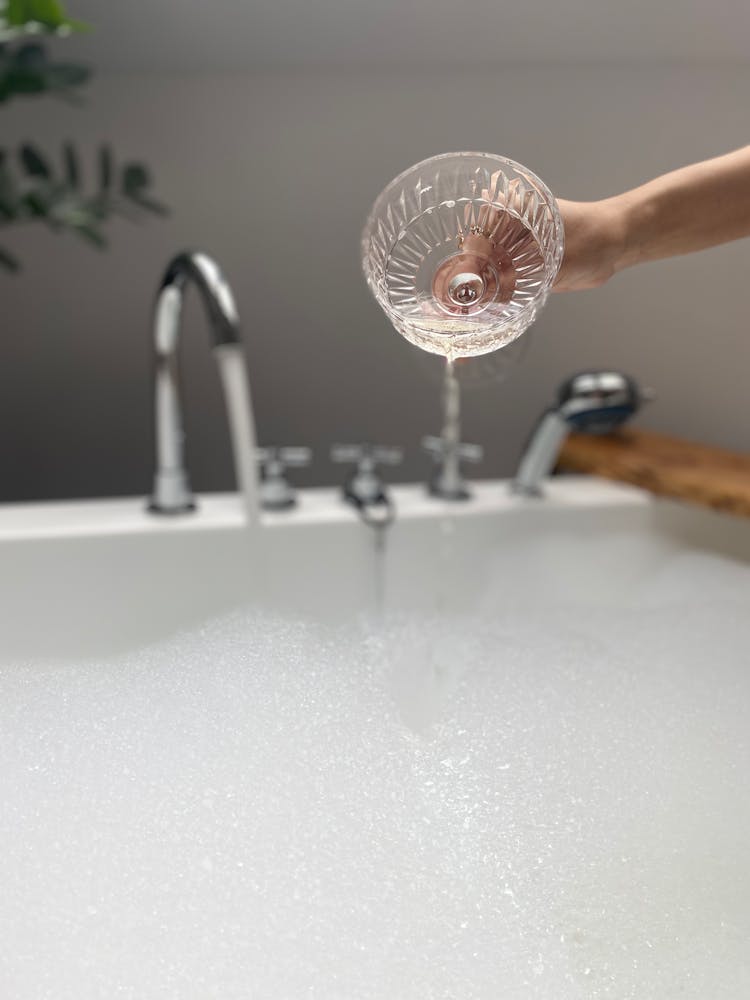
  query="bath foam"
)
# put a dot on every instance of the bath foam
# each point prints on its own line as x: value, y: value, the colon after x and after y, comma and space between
x: 546, y: 805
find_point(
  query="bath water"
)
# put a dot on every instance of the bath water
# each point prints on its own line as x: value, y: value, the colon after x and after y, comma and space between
x: 528, y: 803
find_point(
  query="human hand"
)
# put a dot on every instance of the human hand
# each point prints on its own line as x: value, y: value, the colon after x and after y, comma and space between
x: 594, y: 242
x: 594, y: 236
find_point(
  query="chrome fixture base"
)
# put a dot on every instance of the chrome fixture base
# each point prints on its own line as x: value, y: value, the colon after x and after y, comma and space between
x: 171, y: 494
x: 455, y: 493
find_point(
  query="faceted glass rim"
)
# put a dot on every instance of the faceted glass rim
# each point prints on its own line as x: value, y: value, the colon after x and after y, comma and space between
x: 496, y: 159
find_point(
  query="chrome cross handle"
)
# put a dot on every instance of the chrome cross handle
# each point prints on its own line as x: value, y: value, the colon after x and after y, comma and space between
x: 276, y: 492
x: 365, y: 487
x: 447, y: 482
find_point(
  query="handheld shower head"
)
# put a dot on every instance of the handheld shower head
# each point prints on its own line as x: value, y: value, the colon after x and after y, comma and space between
x: 594, y: 402
x: 597, y: 402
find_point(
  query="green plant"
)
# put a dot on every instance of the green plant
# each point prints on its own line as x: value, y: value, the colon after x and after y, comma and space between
x: 33, y: 186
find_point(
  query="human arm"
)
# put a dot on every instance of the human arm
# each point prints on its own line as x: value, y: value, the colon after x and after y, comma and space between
x: 680, y: 212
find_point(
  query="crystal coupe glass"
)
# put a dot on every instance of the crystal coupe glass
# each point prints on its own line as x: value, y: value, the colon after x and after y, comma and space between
x: 461, y: 251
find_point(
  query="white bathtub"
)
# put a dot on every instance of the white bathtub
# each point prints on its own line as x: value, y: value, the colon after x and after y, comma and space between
x: 91, y: 577
x: 98, y: 581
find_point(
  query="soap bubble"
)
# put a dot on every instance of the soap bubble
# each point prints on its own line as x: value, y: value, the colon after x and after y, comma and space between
x: 524, y: 802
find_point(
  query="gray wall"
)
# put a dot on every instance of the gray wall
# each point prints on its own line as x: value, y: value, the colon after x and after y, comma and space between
x: 273, y: 175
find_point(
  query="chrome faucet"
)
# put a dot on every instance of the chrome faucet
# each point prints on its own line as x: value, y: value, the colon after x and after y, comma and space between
x: 276, y: 492
x: 448, y: 451
x: 595, y: 402
x: 171, y: 492
x: 448, y: 482
x: 365, y: 488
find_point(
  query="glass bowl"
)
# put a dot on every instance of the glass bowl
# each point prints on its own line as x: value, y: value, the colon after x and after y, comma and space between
x: 461, y: 251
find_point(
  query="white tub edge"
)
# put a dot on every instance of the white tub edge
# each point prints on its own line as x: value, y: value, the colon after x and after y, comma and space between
x: 216, y: 511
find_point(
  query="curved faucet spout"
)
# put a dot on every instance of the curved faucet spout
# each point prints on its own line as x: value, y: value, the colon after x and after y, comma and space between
x: 203, y: 272
x: 172, y: 493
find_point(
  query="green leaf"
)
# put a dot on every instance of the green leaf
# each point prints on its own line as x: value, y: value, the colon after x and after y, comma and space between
x: 149, y: 204
x: 45, y: 11
x: 9, y: 207
x: 28, y: 70
x: 9, y: 262
x: 135, y: 179
x: 92, y: 235
x: 105, y: 169
x: 70, y: 160
x: 36, y: 203
x: 15, y: 11
x: 32, y: 55
x: 34, y: 162
x: 48, y: 14
x: 69, y: 211
x: 30, y: 190
x: 65, y: 76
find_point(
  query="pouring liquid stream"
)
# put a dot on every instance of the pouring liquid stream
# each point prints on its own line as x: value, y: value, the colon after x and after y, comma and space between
x: 451, y: 432
x: 379, y: 548
x: 451, y: 435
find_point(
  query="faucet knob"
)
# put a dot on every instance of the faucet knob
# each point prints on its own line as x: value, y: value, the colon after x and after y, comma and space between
x: 295, y: 457
x: 276, y: 492
x: 388, y: 454
x: 365, y: 487
x: 366, y: 454
x: 437, y: 447
x: 447, y: 482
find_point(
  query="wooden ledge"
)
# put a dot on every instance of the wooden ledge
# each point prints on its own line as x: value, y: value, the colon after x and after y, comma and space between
x: 667, y: 466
